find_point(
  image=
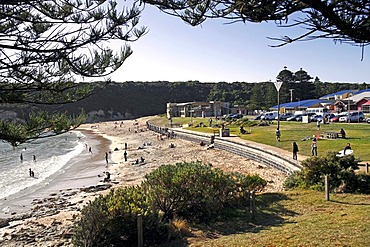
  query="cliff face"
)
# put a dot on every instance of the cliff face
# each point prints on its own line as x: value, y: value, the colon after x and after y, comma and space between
x: 126, y: 100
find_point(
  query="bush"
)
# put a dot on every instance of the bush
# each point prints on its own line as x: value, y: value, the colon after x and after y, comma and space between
x: 195, y: 191
x: 191, y: 191
x: 91, y: 227
x: 112, y: 220
x: 341, y: 171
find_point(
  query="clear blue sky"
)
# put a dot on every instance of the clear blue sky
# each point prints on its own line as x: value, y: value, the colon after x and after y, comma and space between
x: 216, y: 51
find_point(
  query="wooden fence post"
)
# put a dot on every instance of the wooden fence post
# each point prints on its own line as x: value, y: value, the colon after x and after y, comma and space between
x: 252, y: 204
x: 140, y: 241
x: 367, y: 168
x: 327, y: 187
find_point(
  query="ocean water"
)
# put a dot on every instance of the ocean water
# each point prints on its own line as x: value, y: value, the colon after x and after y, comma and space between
x: 52, y: 155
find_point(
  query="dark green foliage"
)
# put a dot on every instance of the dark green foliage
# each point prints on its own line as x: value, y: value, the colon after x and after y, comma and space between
x: 195, y: 191
x: 91, y: 229
x: 341, y: 172
x: 342, y: 21
x: 112, y: 220
x: 38, y: 125
x: 363, y: 183
x: 191, y: 191
x: 46, y: 45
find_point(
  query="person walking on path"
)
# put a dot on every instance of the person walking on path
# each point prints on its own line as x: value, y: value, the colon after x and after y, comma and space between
x: 125, y: 155
x: 295, y: 150
x: 314, y: 147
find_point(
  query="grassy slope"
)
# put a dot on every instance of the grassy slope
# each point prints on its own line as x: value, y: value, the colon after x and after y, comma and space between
x: 358, y: 135
x: 299, y: 217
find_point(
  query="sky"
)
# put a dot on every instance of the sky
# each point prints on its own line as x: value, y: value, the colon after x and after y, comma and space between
x: 220, y: 52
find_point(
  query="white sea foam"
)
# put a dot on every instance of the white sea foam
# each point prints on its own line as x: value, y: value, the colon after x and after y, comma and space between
x: 52, y: 154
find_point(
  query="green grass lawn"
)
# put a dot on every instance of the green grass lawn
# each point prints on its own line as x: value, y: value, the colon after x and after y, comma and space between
x: 358, y: 135
x: 297, y: 218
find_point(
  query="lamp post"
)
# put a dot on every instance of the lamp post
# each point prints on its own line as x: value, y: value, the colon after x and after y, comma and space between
x: 277, y: 85
x: 299, y: 103
x: 348, y: 107
x: 291, y: 94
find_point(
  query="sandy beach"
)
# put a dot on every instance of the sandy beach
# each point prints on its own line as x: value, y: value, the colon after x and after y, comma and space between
x: 65, y: 198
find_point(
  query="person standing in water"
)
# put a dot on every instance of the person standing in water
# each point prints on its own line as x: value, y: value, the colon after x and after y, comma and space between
x: 34, y: 157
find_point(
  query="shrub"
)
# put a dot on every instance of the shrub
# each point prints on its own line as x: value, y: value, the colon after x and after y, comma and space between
x: 91, y: 227
x: 112, y: 220
x: 195, y: 191
x: 192, y: 191
x: 341, y: 171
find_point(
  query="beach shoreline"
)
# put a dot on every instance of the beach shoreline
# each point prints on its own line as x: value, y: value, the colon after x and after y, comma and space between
x: 81, y: 171
x: 141, y: 143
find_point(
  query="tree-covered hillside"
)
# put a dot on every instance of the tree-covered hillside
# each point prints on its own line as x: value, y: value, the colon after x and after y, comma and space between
x: 135, y: 99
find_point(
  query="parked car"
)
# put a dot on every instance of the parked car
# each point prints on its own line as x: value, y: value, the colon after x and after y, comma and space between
x: 297, y: 117
x: 284, y: 116
x: 316, y: 118
x: 336, y: 117
x: 258, y: 117
x: 269, y: 115
x: 236, y: 116
x: 232, y: 116
x: 356, y: 116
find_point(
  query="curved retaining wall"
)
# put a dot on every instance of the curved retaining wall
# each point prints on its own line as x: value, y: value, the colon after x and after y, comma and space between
x: 258, y: 154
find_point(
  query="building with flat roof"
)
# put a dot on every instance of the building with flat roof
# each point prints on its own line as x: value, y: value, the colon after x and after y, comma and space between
x: 198, y: 109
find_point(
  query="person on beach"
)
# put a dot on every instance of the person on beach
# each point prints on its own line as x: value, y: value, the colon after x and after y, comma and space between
x: 107, y: 178
x: 295, y: 150
x: 125, y: 146
x: 32, y: 173
x: 314, y: 147
x: 125, y: 155
x: 34, y: 157
x: 90, y: 151
x: 106, y: 157
x: 21, y: 157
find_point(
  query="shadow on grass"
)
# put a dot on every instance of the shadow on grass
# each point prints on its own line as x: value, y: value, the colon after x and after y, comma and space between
x: 270, y: 212
x: 350, y: 203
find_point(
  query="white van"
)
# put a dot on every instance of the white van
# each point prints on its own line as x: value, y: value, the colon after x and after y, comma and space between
x: 271, y: 115
x: 321, y: 111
